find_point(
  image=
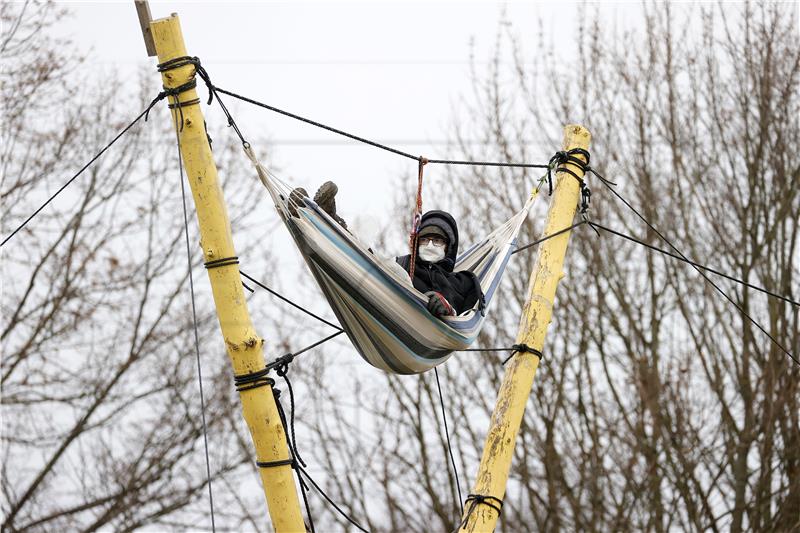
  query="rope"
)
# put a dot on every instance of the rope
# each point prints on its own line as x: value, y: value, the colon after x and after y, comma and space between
x: 122, y: 132
x: 609, y: 184
x: 281, y: 367
x: 515, y: 349
x: 695, y: 264
x: 295, y: 461
x: 196, y: 335
x: 556, y: 234
x: 414, y: 237
x: 447, y: 434
x: 477, y: 499
x: 288, y: 301
x: 314, y: 484
x: 331, y: 129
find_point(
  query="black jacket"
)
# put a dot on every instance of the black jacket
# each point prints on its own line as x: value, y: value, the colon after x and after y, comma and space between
x: 461, y: 289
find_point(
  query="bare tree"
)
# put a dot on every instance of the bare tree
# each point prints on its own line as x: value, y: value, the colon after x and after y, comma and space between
x: 659, y: 406
x: 101, y: 423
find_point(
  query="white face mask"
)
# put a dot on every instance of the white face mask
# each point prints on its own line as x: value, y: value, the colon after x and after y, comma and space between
x: 431, y: 252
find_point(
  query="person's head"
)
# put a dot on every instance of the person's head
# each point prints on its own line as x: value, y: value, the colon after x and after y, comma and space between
x: 438, y: 238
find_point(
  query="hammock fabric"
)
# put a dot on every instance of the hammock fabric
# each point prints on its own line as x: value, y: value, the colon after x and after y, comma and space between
x: 382, y: 314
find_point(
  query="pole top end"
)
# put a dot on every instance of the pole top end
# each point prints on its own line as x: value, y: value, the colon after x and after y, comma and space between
x: 576, y: 136
x: 143, y: 12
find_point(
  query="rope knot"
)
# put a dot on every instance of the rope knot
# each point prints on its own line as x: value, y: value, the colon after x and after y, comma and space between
x: 491, y: 501
x: 281, y: 364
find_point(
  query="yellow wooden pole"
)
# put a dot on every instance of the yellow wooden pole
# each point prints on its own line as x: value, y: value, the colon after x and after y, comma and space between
x: 243, y: 344
x: 518, y: 380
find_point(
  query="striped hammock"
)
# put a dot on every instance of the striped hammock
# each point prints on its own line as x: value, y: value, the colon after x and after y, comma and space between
x: 384, y: 316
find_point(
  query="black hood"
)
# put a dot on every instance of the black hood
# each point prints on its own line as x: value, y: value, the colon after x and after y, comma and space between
x: 445, y: 222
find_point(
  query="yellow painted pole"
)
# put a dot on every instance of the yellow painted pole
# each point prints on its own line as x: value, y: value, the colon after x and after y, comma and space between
x: 518, y: 380
x: 243, y: 344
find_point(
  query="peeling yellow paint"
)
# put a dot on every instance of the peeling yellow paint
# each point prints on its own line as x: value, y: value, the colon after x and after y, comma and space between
x: 243, y: 346
x: 536, y: 314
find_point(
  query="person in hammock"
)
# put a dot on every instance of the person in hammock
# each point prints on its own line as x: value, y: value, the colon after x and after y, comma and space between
x: 449, y: 293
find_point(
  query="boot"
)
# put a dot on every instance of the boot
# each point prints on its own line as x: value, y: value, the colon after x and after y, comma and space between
x: 326, y: 200
x: 296, y: 200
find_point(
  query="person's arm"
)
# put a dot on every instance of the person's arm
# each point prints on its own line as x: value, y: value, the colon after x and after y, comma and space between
x: 438, y: 305
x: 404, y: 261
x: 471, y: 292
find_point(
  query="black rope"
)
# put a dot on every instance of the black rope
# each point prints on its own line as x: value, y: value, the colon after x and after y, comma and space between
x: 563, y: 157
x: 196, y: 335
x: 252, y: 380
x: 124, y: 130
x: 477, y: 499
x: 187, y: 103
x: 225, y: 261
x: 556, y: 234
x: 447, y: 435
x: 295, y: 461
x: 485, y: 163
x: 367, y: 141
x: 609, y: 184
x: 514, y: 349
x: 302, y: 471
x: 200, y: 71
x: 322, y: 341
x: 280, y: 462
x: 288, y: 301
x: 317, y: 124
x: 695, y: 264
x: 491, y: 501
x: 281, y: 367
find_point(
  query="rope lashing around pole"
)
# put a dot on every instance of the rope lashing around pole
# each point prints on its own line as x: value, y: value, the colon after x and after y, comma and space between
x: 414, y: 235
x: 254, y: 380
x: 478, y: 499
x: 216, y: 263
x: 295, y: 461
x: 514, y: 349
x: 199, y: 70
x: 556, y: 163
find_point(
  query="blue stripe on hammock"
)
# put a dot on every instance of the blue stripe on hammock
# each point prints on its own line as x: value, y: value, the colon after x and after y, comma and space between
x: 452, y: 328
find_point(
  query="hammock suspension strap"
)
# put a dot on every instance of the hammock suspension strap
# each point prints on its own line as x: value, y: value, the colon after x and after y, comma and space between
x: 412, y: 242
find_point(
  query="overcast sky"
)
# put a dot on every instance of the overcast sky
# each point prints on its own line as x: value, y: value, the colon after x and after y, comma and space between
x: 391, y: 71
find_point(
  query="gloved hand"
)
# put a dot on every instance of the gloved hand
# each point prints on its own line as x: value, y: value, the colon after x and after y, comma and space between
x: 438, y: 304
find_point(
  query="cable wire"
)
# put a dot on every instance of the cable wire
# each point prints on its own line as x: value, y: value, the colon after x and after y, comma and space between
x: 697, y: 268
x: 447, y: 434
x: 196, y: 335
x: 693, y: 263
x: 556, y: 234
x: 288, y: 301
x: 87, y: 165
x: 367, y: 141
x: 302, y: 471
